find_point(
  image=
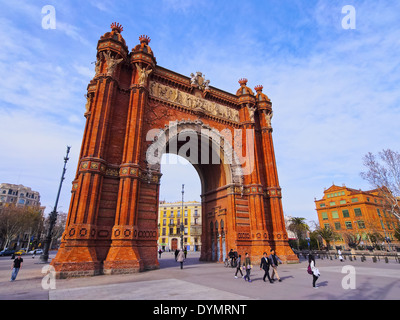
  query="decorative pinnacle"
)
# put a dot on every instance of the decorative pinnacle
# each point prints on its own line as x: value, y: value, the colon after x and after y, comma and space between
x: 116, y: 27
x: 243, y: 81
x: 145, y: 39
x: 258, y: 88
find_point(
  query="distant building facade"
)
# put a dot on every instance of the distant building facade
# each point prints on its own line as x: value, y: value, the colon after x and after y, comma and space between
x: 352, y: 211
x: 291, y: 234
x: 170, y: 216
x: 18, y: 195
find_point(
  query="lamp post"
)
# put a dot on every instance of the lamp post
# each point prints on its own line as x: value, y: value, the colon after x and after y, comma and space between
x: 182, y: 228
x: 53, y: 216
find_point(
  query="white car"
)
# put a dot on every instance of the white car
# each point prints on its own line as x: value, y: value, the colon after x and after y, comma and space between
x: 36, y: 251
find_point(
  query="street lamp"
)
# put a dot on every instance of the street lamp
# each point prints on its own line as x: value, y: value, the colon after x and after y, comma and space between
x: 182, y: 228
x: 53, y: 216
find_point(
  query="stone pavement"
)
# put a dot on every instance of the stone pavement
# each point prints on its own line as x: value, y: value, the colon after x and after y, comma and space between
x: 208, y: 281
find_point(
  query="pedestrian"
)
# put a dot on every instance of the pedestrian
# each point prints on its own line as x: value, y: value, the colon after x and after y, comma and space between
x: 238, y: 266
x: 248, y: 266
x: 265, y: 263
x: 274, y: 260
x: 17, y: 264
x: 185, y: 252
x: 159, y: 253
x: 181, y: 258
x: 340, y: 255
x: 176, y: 253
x: 314, y: 271
x: 231, y: 256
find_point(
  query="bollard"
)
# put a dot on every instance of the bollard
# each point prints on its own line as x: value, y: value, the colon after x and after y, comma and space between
x: 386, y: 260
x: 374, y: 259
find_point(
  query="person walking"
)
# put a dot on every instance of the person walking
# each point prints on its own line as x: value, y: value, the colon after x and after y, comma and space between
x: 247, y: 265
x: 159, y: 253
x: 340, y: 255
x: 181, y: 258
x: 274, y: 260
x: 176, y: 254
x: 17, y: 264
x: 238, y: 266
x: 314, y: 271
x: 265, y: 263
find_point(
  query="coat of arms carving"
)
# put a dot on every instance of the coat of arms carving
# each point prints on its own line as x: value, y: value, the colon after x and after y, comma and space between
x: 198, y: 80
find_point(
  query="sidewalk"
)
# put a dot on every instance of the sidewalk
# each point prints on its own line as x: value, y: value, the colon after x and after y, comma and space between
x: 208, y: 281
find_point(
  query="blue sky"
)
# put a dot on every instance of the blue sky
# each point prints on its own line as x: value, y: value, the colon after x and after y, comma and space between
x: 335, y: 92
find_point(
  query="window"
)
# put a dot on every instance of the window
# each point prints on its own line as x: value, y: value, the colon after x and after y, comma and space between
x: 337, y: 225
x: 346, y: 213
x: 327, y: 226
x: 354, y: 200
x: 335, y: 215
x: 163, y: 231
x: 342, y: 201
x: 357, y: 212
x: 361, y: 224
x: 324, y: 215
x: 332, y: 203
x: 164, y: 222
x: 379, y: 212
x: 348, y: 225
x: 322, y: 205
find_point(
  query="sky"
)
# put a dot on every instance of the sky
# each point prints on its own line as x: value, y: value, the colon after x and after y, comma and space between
x: 335, y: 91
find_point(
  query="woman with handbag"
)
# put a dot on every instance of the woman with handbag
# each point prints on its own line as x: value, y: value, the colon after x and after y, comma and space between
x: 313, y: 270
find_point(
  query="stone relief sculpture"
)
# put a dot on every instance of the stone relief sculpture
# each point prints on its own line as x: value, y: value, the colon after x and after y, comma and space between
x: 190, y: 101
x: 251, y: 112
x: 112, y: 62
x: 143, y: 74
x: 268, y: 118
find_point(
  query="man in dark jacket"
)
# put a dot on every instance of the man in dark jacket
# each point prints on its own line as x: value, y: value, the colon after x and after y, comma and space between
x: 265, y: 265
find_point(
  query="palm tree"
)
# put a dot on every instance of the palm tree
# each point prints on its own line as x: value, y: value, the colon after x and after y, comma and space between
x: 327, y: 234
x: 298, y: 227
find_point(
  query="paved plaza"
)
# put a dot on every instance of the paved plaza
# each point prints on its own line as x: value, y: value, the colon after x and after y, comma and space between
x: 208, y: 281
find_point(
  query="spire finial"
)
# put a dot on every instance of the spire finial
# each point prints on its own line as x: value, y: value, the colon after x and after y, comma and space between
x: 115, y: 26
x: 243, y: 81
x: 145, y: 39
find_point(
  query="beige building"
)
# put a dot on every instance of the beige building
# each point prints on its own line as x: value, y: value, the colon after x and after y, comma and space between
x: 18, y: 195
x: 170, y: 217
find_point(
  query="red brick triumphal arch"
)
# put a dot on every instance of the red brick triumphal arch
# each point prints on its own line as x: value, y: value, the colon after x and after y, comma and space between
x: 136, y: 111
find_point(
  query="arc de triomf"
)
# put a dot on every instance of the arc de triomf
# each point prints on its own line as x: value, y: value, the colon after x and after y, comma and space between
x: 136, y: 111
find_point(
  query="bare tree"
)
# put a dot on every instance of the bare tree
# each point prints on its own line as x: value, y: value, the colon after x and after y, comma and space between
x: 16, y: 221
x: 383, y: 173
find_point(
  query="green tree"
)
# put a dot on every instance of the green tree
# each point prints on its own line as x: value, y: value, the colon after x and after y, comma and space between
x: 299, y: 228
x: 327, y: 234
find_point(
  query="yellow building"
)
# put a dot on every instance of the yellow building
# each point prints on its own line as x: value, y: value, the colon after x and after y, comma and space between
x: 354, y: 212
x: 170, y: 217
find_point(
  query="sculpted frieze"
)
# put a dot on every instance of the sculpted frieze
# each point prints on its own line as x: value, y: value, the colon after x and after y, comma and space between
x: 190, y: 101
